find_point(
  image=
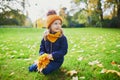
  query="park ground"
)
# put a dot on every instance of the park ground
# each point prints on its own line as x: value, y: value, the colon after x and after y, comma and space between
x: 93, y: 54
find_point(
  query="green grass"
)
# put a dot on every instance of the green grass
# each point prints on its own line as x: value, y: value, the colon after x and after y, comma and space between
x: 19, y: 48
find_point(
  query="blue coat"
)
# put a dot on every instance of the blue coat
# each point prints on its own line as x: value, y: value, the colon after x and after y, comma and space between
x: 58, y: 49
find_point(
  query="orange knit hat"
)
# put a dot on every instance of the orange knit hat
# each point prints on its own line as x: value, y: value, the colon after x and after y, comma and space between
x: 51, y: 17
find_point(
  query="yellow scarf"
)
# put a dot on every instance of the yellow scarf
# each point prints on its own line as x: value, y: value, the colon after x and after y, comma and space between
x: 53, y: 37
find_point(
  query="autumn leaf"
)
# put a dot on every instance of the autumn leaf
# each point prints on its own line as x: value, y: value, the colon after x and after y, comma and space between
x: 82, y: 77
x: 100, y: 65
x: 75, y: 78
x: 80, y: 50
x: 110, y: 71
x: 103, y: 71
x: 72, y: 72
x: 12, y: 73
x: 80, y: 58
x: 63, y: 70
x: 94, y: 62
x: 113, y: 71
x: 113, y: 62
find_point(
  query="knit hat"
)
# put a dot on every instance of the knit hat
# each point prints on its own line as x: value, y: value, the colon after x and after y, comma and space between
x: 51, y: 17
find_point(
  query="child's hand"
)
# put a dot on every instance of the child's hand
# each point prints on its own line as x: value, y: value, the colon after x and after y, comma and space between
x: 50, y: 57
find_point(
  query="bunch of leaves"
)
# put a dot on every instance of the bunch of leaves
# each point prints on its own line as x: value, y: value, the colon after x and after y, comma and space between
x: 43, y: 61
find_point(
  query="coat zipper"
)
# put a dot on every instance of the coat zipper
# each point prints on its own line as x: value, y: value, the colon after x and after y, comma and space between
x: 50, y: 48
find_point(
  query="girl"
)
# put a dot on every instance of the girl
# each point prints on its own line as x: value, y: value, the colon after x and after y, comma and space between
x: 53, y: 43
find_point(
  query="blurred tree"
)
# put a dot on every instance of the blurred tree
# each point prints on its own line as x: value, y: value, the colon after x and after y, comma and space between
x: 65, y: 16
x: 115, y: 4
x: 39, y: 23
x: 114, y: 17
x: 13, y: 15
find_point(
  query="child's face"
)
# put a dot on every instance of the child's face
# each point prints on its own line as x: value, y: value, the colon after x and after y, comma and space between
x: 56, y: 26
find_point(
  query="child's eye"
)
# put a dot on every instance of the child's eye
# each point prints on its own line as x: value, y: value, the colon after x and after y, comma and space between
x: 55, y: 23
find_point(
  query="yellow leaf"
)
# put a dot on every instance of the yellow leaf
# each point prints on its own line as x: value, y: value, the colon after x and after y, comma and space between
x: 110, y: 71
x: 113, y: 71
x: 43, y: 61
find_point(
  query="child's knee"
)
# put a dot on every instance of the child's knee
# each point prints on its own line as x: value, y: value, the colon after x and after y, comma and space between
x: 33, y: 67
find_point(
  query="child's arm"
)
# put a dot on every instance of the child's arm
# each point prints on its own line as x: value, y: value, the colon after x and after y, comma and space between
x: 42, y: 47
x: 63, y: 49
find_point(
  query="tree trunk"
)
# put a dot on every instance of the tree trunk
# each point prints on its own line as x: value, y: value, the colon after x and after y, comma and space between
x: 100, y: 9
x: 118, y: 8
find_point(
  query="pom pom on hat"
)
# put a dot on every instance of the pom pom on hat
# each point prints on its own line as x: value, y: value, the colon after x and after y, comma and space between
x: 51, y: 17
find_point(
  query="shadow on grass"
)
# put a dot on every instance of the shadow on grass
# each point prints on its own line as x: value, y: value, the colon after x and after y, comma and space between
x: 56, y: 75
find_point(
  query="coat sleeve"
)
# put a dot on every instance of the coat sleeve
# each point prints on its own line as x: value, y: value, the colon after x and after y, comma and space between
x: 42, y: 47
x: 63, y: 49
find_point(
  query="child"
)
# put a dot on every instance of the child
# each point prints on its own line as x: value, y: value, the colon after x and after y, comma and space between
x: 53, y: 43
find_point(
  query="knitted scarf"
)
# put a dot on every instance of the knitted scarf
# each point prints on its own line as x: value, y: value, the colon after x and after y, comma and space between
x: 53, y: 37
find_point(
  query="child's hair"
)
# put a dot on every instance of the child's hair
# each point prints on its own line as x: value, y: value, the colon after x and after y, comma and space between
x: 52, y: 17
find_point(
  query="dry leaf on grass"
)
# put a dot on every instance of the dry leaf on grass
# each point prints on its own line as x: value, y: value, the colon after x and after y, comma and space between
x: 119, y: 66
x: 82, y: 77
x: 94, y: 62
x: 80, y: 58
x: 113, y: 62
x: 63, y: 70
x: 12, y: 73
x: 72, y: 72
x: 110, y: 71
x: 75, y: 78
x: 100, y: 65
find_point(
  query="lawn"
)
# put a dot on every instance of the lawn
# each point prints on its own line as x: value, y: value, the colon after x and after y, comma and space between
x: 93, y: 54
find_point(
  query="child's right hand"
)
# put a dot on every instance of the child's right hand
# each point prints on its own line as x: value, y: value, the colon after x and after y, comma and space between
x: 50, y: 57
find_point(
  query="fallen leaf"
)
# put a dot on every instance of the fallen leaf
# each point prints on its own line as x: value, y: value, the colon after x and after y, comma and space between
x: 82, y: 77
x: 27, y: 59
x: 12, y: 56
x: 110, y: 71
x: 113, y: 62
x: 103, y: 71
x: 80, y: 58
x: 72, y: 72
x: 14, y: 51
x: 119, y: 66
x: 113, y: 51
x: 80, y: 51
x: 94, y: 62
x: 12, y: 73
x: 100, y: 65
x: 63, y: 70
x: 75, y: 78
x: 113, y: 71
x: 72, y: 49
